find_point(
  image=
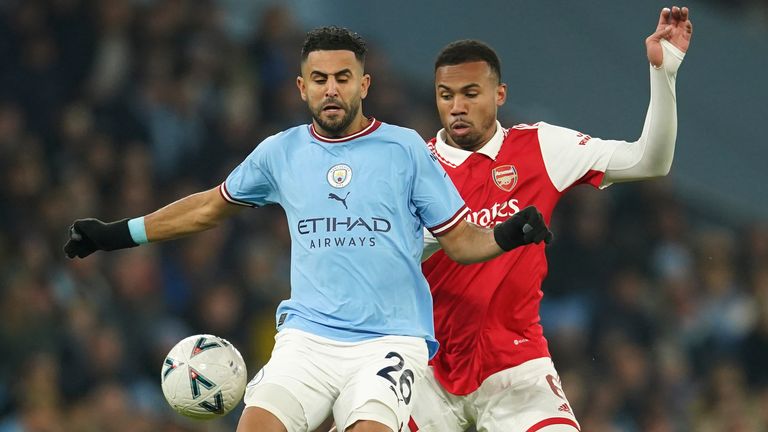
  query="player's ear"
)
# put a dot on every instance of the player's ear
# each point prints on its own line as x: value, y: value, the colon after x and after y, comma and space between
x: 365, y: 83
x: 302, y: 88
x: 501, y: 94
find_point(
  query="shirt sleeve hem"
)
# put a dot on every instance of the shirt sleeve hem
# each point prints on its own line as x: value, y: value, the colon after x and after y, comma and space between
x: 450, y: 224
x: 232, y: 200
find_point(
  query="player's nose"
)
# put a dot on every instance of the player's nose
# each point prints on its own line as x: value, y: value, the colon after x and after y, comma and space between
x: 458, y: 107
x: 331, y: 88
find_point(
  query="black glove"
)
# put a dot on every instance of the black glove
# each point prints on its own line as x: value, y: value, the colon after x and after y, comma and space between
x: 86, y: 236
x: 524, y: 227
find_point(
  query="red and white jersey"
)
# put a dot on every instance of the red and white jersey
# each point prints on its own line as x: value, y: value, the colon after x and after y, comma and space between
x: 487, y: 314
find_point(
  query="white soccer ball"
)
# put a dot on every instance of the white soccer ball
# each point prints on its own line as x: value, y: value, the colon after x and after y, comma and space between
x: 203, y: 377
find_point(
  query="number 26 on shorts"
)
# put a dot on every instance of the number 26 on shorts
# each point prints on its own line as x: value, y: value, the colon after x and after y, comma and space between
x: 402, y: 387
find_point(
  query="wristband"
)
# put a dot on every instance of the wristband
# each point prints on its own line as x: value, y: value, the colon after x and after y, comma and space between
x: 138, y: 230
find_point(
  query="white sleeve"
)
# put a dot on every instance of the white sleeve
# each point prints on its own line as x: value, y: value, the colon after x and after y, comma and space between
x: 571, y: 157
x: 651, y: 155
x: 431, y: 245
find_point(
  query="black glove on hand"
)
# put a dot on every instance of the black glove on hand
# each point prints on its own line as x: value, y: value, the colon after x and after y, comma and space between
x: 524, y: 227
x: 86, y: 236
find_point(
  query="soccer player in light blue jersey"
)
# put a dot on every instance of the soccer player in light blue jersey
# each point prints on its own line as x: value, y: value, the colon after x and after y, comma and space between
x: 354, y: 338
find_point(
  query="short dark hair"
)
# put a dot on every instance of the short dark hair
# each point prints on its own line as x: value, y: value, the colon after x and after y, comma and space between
x: 334, y: 38
x: 469, y: 50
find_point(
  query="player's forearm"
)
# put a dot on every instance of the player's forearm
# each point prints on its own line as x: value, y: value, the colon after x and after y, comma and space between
x: 652, y: 154
x: 470, y: 243
x: 660, y: 130
x: 189, y: 215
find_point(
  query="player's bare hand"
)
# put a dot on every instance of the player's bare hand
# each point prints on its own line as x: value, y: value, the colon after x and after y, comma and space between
x: 674, y: 26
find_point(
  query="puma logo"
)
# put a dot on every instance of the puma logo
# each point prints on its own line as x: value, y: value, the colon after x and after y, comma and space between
x: 337, y: 198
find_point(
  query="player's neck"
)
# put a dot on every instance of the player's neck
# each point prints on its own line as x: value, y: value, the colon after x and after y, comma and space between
x: 359, y: 123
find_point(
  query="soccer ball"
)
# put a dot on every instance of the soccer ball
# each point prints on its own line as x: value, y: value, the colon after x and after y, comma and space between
x: 203, y: 377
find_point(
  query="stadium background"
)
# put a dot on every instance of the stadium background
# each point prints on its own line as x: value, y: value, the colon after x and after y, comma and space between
x: 656, y: 306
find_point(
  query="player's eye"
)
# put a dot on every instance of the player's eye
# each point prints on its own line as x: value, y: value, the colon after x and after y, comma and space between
x: 472, y: 95
x: 446, y: 96
x: 320, y: 80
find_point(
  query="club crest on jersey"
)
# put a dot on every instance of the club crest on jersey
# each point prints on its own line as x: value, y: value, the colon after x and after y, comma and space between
x: 339, y: 175
x: 505, y: 177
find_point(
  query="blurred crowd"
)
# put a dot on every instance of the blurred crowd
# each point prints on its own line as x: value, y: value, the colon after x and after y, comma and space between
x: 656, y: 312
x: 754, y: 11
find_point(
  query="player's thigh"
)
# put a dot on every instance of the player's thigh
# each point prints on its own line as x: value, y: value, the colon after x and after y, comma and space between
x: 525, y: 398
x: 383, y: 384
x: 326, y: 426
x: 436, y: 410
x: 258, y: 419
x: 297, y: 385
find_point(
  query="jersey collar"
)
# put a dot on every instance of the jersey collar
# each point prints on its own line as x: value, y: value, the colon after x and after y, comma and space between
x: 456, y: 156
x: 368, y: 129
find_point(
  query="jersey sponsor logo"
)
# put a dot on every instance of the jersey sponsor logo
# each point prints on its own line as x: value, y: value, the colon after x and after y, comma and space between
x: 497, y: 213
x: 339, y: 175
x: 339, y: 199
x: 505, y: 177
x: 351, y: 241
x: 347, y: 224
x: 338, y: 225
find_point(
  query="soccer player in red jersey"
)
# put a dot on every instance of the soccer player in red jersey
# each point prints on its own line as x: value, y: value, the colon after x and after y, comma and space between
x: 493, y: 370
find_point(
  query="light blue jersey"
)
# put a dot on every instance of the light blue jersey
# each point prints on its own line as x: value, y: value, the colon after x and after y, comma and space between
x: 356, y: 207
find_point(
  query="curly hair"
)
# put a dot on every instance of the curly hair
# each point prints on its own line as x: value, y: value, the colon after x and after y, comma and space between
x: 334, y: 38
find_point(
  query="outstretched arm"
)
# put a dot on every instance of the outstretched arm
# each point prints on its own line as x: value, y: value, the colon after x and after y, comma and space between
x: 651, y: 155
x: 194, y: 213
x: 468, y: 243
x: 189, y: 215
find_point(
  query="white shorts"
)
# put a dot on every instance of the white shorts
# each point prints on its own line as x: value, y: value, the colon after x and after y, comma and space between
x: 524, y: 398
x: 309, y: 377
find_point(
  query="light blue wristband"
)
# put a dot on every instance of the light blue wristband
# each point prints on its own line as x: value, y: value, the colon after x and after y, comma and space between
x: 138, y: 231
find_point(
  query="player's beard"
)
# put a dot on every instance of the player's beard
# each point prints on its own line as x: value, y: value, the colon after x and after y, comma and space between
x: 469, y: 142
x: 476, y: 138
x: 339, y: 125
